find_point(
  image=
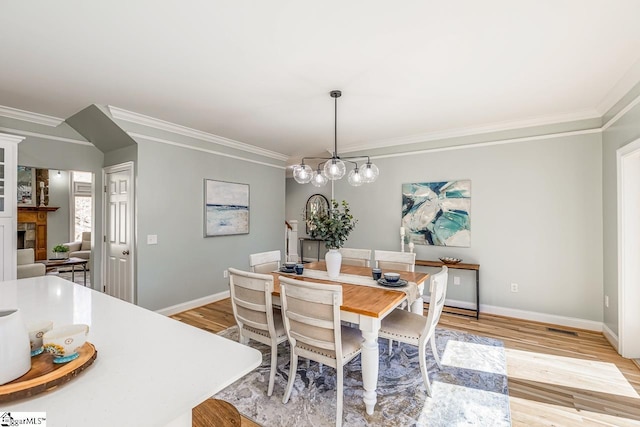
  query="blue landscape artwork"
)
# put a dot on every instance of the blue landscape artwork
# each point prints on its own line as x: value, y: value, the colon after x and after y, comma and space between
x: 226, y: 208
x: 437, y: 213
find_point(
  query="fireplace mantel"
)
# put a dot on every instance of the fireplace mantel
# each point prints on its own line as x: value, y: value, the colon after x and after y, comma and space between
x: 38, y: 216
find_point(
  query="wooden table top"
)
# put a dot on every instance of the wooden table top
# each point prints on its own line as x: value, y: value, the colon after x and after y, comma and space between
x: 459, y: 266
x: 367, y: 300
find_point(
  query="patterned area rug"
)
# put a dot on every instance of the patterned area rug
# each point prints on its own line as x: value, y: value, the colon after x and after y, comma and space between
x: 471, y: 388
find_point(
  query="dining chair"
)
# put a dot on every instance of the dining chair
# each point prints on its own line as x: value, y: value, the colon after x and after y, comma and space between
x: 265, y: 262
x: 389, y: 260
x: 253, y: 310
x: 415, y: 329
x: 359, y: 257
x: 311, y: 313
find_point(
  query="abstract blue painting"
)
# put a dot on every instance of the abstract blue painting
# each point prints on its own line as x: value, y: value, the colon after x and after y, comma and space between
x: 226, y: 208
x: 437, y: 213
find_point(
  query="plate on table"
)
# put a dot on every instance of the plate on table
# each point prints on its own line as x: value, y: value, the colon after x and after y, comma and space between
x: 400, y: 283
x: 287, y: 270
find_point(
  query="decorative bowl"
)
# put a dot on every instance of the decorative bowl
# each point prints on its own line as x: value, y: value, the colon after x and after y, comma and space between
x: 290, y: 265
x: 392, y: 277
x: 449, y: 260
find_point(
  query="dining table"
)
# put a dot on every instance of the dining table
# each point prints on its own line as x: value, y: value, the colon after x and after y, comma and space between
x: 364, y: 302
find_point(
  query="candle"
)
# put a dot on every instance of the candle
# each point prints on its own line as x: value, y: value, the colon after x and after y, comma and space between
x: 41, y: 184
x: 402, y: 231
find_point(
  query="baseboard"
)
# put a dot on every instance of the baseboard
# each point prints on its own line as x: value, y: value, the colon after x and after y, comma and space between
x: 572, y: 322
x: 610, y: 336
x: 188, y: 305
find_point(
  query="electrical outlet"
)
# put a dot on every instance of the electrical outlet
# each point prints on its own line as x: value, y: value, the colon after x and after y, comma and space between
x: 606, y: 301
x: 514, y: 287
x: 456, y: 280
x: 225, y: 274
x: 152, y: 239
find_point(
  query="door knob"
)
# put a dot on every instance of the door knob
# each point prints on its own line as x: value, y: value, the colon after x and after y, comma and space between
x: 125, y: 252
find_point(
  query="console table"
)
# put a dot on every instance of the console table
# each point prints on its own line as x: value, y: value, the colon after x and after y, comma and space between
x: 302, y: 240
x: 458, y: 266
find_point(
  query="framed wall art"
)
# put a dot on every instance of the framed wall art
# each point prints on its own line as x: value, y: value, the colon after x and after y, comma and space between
x: 226, y: 209
x: 26, y: 186
x: 437, y: 213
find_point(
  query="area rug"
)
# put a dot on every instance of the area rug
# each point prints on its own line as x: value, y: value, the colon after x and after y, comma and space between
x: 469, y: 390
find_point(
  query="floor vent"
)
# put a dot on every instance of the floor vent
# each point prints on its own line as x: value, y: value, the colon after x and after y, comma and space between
x: 562, y: 331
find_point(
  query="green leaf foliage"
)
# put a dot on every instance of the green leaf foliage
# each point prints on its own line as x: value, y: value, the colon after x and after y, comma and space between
x: 60, y: 248
x: 333, y: 227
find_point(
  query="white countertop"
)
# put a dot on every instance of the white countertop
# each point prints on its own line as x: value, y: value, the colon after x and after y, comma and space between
x: 150, y: 369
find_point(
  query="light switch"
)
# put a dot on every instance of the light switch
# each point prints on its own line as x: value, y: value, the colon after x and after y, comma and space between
x: 152, y: 239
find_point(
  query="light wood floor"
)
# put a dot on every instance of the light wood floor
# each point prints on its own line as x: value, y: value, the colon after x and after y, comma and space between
x: 555, y: 378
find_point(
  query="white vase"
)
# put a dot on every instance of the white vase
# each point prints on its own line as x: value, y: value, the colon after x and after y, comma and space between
x: 333, y: 259
x: 15, y: 350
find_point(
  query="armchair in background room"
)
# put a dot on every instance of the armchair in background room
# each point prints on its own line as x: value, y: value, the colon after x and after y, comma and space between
x: 27, y: 267
x: 81, y: 249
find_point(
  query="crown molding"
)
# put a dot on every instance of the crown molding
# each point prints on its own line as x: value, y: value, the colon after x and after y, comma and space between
x: 620, y: 88
x: 15, y: 139
x: 45, y: 136
x: 135, y: 135
x: 622, y: 112
x: 28, y: 116
x: 141, y: 119
x: 475, y: 130
x: 489, y: 143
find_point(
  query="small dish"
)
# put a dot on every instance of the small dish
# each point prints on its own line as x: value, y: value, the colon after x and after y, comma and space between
x: 287, y: 270
x: 397, y: 284
x: 290, y: 265
x: 449, y: 260
x: 391, y: 277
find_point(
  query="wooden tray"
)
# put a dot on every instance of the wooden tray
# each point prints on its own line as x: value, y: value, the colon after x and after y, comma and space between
x: 44, y: 374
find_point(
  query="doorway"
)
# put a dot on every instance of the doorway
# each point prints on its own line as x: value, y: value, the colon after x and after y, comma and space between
x: 628, y: 166
x: 119, y: 231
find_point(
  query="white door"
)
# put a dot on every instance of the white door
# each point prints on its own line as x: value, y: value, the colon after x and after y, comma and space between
x: 629, y: 250
x: 118, y: 251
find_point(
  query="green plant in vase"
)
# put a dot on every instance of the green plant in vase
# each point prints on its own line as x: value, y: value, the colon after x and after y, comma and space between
x: 60, y: 251
x: 334, y: 228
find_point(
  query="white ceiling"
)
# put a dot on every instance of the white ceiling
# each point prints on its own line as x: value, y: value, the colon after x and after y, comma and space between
x: 260, y: 72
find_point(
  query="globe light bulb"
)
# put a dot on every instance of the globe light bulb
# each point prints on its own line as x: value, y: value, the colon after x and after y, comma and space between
x: 319, y: 180
x: 302, y: 174
x: 355, y: 178
x: 370, y: 172
x: 334, y: 169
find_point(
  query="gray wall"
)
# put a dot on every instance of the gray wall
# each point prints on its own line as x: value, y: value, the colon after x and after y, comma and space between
x: 47, y: 152
x: 623, y: 131
x: 184, y: 265
x: 58, y: 221
x: 536, y: 219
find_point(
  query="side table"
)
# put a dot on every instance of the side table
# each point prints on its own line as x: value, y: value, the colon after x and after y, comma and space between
x: 458, y: 266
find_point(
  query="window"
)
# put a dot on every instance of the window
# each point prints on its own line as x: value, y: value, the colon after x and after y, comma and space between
x: 81, y: 203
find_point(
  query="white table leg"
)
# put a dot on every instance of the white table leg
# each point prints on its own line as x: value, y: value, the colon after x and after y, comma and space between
x: 370, y: 359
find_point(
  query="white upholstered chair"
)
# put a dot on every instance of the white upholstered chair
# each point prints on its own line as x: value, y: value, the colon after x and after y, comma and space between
x: 265, y: 262
x: 311, y: 314
x: 389, y: 260
x: 359, y: 257
x: 27, y: 266
x: 254, y: 314
x: 414, y: 329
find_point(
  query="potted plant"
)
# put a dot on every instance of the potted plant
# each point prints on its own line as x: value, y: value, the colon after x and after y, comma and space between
x: 333, y: 227
x: 60, y: 251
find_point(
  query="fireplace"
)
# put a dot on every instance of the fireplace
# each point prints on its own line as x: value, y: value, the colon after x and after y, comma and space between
x: 26, y: 235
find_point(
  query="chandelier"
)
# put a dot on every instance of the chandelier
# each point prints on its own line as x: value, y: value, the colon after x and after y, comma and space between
x: 333, y: 168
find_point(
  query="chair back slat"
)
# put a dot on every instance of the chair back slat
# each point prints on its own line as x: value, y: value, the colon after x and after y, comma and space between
x: 264, y: 262
x: 436, y: 302
x: 311, y: 314
x: 359, y: 257
x: 389, y: 260
x: 251, y: 299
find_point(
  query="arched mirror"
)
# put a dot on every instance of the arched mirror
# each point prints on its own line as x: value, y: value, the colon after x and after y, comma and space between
x: 317, y: 204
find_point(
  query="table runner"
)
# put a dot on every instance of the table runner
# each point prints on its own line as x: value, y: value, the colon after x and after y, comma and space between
x: 411, y: 290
